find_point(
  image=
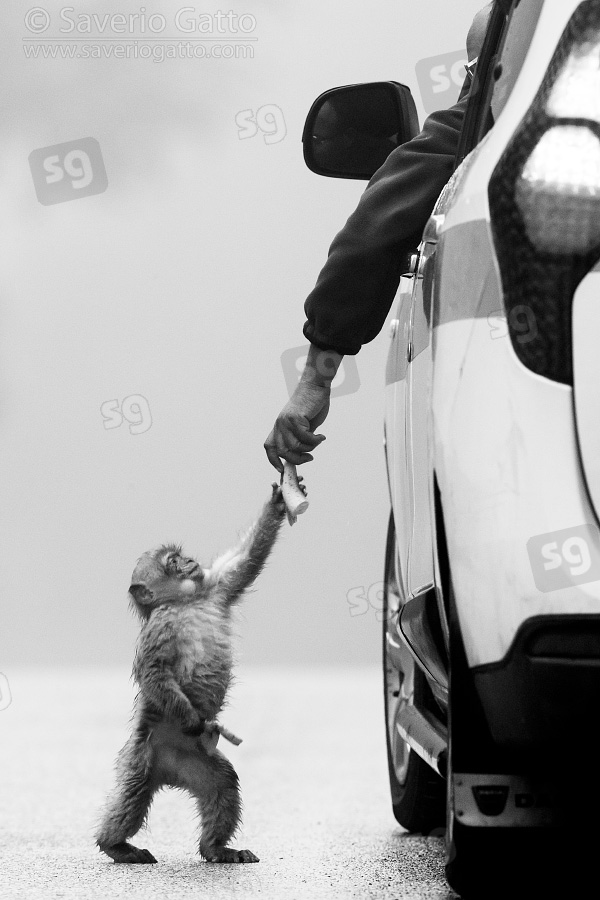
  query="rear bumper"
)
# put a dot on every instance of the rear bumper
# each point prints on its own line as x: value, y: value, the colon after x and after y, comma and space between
x: 545, y: 693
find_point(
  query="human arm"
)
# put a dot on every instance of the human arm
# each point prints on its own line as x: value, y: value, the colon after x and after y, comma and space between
x: 292, y: 437
x: 357, y: 285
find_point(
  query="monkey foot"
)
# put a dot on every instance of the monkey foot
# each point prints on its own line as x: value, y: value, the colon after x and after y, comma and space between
x: 227, y: 855
x: 127, y: 853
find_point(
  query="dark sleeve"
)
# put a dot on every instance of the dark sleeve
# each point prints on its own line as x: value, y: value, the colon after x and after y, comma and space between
x: 358, y: 283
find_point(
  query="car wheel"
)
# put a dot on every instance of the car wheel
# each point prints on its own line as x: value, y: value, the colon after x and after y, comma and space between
x: 418, y: 792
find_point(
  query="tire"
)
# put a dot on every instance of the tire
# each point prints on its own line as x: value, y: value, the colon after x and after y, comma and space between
x: 418, y: 793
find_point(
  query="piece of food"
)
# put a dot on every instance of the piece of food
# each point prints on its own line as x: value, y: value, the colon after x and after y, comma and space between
x: 293, y: 494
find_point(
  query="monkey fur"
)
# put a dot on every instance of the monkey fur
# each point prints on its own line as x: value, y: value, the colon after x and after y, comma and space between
x: 183, y: 669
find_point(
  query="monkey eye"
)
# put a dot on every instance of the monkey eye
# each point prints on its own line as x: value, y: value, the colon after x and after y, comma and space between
x: 172, y: 564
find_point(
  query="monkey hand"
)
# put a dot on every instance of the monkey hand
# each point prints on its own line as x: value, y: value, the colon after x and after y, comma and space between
x: 277, y: 495
x: 277, y: 500
x: 195, y: 729
x: 293, y: 492
x: 210, y: 737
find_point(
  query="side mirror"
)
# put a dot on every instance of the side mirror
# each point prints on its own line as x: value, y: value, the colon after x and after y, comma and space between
x: 350, y: 131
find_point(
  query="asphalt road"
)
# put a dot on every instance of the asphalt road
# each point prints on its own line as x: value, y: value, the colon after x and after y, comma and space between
x: 314, y: 783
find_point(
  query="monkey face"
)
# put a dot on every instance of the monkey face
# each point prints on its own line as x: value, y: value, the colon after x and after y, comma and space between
x: 178, y: 566
x: 164, y: 576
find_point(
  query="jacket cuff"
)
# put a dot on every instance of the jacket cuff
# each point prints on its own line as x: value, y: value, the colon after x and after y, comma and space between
x: 322, y: 343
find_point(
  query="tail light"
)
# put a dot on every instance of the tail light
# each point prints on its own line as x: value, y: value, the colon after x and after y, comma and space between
x: 558, y: 192
x: 545, y: 198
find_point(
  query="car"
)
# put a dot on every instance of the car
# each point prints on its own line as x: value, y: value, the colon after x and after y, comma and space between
x: 491, y: 639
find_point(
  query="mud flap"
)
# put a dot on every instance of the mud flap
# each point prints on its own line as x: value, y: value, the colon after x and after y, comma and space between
x: 518, y: 823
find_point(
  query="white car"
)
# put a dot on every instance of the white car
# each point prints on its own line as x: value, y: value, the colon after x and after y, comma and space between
x: 492, y: 437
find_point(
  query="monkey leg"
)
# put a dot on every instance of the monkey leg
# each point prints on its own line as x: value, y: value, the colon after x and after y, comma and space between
x: 220, y: 808
x: 127, y: 808
x: 213, y: 781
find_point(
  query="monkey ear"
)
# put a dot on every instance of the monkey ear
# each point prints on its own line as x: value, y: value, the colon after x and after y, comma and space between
x: 141, y: 594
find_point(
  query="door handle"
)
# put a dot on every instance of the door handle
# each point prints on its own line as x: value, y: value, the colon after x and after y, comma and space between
x: 433, y: 228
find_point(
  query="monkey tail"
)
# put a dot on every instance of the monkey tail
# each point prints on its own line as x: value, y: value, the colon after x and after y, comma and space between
x: 229, y: 735
x: 210, y: 737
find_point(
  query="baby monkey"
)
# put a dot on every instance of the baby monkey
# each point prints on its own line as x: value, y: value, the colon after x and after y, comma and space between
x: 183, y: 669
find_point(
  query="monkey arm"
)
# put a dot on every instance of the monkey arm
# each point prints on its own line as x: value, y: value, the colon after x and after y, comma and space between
x: 236, y: 569
x: 161, y: 690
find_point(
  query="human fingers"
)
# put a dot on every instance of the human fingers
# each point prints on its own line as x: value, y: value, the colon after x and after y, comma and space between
x: 296, y: 434
x: 294, y: 455
x: 270, y: 446
x: 299, y: 428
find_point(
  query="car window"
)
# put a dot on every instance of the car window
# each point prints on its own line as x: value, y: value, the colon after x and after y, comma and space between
x: 519, y: 33
x: 512, y: 24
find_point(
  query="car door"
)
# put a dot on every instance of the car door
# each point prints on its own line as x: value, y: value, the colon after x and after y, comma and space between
x: 419, y: 505
x: 395, y: 421
x: 420, y: 526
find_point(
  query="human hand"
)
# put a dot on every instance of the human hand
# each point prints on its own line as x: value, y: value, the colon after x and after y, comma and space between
x: 293, y: 437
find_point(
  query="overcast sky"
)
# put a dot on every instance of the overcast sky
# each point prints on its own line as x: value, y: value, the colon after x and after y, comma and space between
x: 143, y: 314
